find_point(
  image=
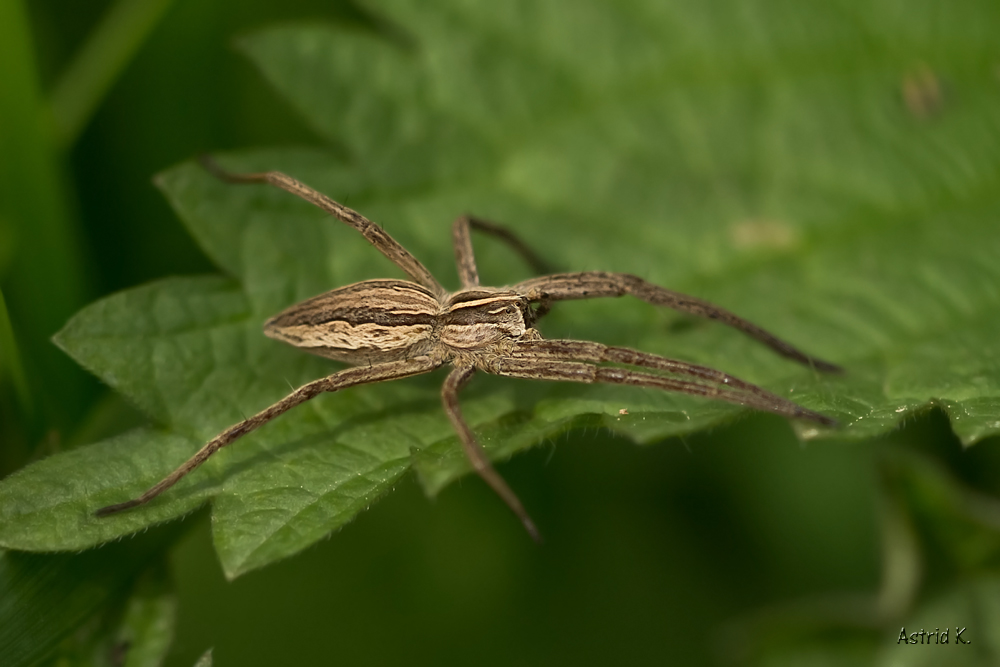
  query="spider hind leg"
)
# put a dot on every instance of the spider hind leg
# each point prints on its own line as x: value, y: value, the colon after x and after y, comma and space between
x: 474, y: 451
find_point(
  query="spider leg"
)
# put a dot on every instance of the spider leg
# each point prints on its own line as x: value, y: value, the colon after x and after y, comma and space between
x: 375, y: 235
x: 578, y: 350
x: 341, y: 380
x: 593, y: 284
x: 477, y: 457
x: 573, y: 361
x: 465, y: 257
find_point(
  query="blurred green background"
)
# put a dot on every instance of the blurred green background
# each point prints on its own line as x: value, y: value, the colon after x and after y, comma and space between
x: 737, y: 546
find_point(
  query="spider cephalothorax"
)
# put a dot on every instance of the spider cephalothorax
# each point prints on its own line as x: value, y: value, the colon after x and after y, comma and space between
x: 390, y: 329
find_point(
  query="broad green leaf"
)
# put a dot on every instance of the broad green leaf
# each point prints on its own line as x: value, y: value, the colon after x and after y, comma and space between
x: 50, y: 505
x: 770, y: 157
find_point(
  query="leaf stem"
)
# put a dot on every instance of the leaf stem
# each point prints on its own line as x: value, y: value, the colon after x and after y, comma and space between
x: 100, y: 61
x: 10, y: 359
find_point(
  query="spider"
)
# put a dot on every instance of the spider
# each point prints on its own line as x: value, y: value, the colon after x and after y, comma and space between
x: 391, y: 329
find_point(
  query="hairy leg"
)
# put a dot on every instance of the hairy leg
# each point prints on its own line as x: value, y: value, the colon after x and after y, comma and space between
x: 375, y: 235
x: 346, y: 378
x: 578, y: 350
x: 550, y: 364
x: 594, y: 284
x: 465, y: 257
x: 477, y: 457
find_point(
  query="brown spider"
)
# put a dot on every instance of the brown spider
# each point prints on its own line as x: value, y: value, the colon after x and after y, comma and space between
x: 390, y: 329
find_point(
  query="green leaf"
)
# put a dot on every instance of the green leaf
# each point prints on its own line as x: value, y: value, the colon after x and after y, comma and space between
x: 50, y: 506
x: 80, y: 607
x: 771, y: 158
x: 147, y: 625
x: 946, y: 582
x: 43, y: 281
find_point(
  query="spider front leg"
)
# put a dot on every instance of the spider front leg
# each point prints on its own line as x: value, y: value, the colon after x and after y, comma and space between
x: 350, y: 377
x: 594, y: 284
x: 474, y: 452
x: 375, y: 235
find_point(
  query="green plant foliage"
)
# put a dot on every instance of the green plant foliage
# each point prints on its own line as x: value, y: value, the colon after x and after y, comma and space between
x: 950, y: 534
x: 975, y: 599
x: 792, y: 164
x: 88, y: 608
x: 147, y: 626
x: 94, y: 70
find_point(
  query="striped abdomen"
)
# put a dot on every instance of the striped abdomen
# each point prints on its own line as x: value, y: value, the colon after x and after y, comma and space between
x: 367, y: 322
x: 387, y: 320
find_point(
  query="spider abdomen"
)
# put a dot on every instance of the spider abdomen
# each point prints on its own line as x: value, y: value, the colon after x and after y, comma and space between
x: 368, y: 322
